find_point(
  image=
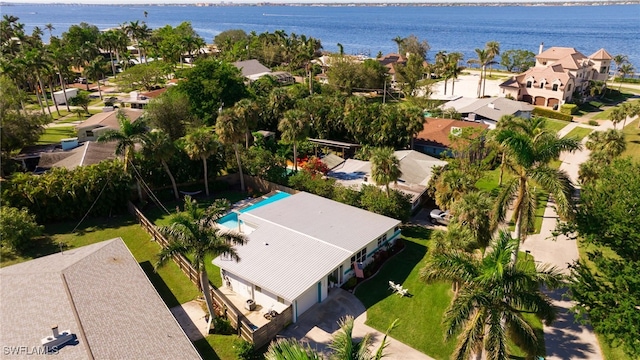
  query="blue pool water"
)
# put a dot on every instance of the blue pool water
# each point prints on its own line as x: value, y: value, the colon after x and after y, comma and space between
x: 231, y: 219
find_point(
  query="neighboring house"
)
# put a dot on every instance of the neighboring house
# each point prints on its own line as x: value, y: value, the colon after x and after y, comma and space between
x: 93, y: 127
x: 489, y: 110
x: 96, y: 296
x: 557, y: 74
x: 434, y: 137
x: 299, y: 246
x: 390, y: 61
x: 139, y: 100
x: 252, y: 70
x: 416, y: 168
x: 87, y: 153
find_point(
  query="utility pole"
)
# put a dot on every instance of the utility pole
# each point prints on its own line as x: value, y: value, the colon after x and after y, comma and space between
x: 384, y: 94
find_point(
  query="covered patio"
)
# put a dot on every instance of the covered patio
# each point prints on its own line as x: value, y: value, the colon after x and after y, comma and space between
x: 256, y: 316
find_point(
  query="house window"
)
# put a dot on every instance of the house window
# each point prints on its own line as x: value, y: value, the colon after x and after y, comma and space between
x: 89, y: 133
x: 544, y: 63
x: 258, y: 289
x: 360, y: 256
x: 555, y: 87
x: 603, y: 70
x: 542, y: 86
x: 396, y: 229
x: 382, y: 239
x: 529, y: 84
x: 569, y: 87
x: 280, y: 300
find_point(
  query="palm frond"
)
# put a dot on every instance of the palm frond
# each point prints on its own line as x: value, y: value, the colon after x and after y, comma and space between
x: 505, y: 199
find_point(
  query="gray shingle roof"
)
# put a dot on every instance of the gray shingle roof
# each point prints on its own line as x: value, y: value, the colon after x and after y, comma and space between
x: 251, y: 67
x: 490, y: 108
x: 101, y: 294
x: 308, y: 236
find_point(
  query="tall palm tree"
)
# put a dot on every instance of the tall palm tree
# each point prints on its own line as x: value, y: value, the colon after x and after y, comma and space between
x: 157, y: 145
x: 193, y: 232
x: 385, y: 167
x: 529, y: 159
x: 493, y: 48
x: 231, y: 131
x: 453, y: 69
x: 294, y: 127
x: 95, y: 70
x: 50, y: 28
x: 532, y: 127
x: 201, y: 143
x: 495, y: 294
x: 483, y: 60
x: 129, y: 134
x: 451, y: 184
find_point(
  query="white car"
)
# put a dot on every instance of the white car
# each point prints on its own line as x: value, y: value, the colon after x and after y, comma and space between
x: 439, y: 217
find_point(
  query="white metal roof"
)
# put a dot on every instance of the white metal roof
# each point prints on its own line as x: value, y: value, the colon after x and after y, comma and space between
x: 308, y: 236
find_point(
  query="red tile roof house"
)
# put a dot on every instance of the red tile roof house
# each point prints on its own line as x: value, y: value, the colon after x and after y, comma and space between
x: 434, y: 137
x: 558, y: 73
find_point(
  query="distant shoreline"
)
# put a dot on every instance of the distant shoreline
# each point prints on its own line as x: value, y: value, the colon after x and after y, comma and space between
x: 354, y: 4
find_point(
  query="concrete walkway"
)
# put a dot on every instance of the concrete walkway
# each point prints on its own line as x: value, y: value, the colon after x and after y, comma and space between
x: 317, y: 326
x: 191, y: 318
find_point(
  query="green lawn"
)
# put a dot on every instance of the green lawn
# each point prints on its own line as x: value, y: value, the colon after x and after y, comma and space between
x: 53, y: 135
x: 216, y: 347
x: 555, y: 124
x: 632, y: 136
x: 579, y: 133
x: 420, y: 315
x: 604, y: 115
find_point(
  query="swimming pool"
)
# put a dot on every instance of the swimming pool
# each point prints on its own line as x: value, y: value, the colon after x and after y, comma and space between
x: 231, y: 219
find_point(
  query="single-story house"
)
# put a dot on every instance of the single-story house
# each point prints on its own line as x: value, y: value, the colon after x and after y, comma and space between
x: 416, y: 168
x: 93, y: 127
x: 489, y: 110
x: 252, y: 70
x: 299, y: 246
x: 91, y: 302
x: 87, y: 153
x: 434, y: 137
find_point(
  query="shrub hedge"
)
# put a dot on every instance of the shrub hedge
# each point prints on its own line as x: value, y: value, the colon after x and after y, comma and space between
x: 551, y: 114
x: 569, y: 109
x: 62, y: 194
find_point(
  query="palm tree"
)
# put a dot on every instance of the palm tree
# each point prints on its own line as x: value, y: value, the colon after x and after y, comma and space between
x: 201, y: 143
x: 617, y: 115
x: 294, y: 127
x: 619, y: 60
x: 231, y: 131
x: 493, y: 48
x: 495, y: 294
x: 50, y: 28
x: 130, y: 133
x: 624, y: 70
x: 193, y: 232
x: 473, y: 210
x: 158, y: 146
x: 611, y: 143
x: 483, y: 59
x: 453, y: 69
x: 529, y: 159
x: 291, y: 349
x: 385, y: 167
x: 95, y: 70
x: 451, y: 184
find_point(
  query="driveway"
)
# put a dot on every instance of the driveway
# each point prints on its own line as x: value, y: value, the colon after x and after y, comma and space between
x: 318, y: 324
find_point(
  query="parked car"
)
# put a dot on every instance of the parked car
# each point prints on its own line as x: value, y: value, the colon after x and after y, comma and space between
x: 81, y: 80
x: 439, y: 217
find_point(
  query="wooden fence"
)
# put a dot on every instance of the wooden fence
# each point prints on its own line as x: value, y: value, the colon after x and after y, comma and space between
x: 260, y: 336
